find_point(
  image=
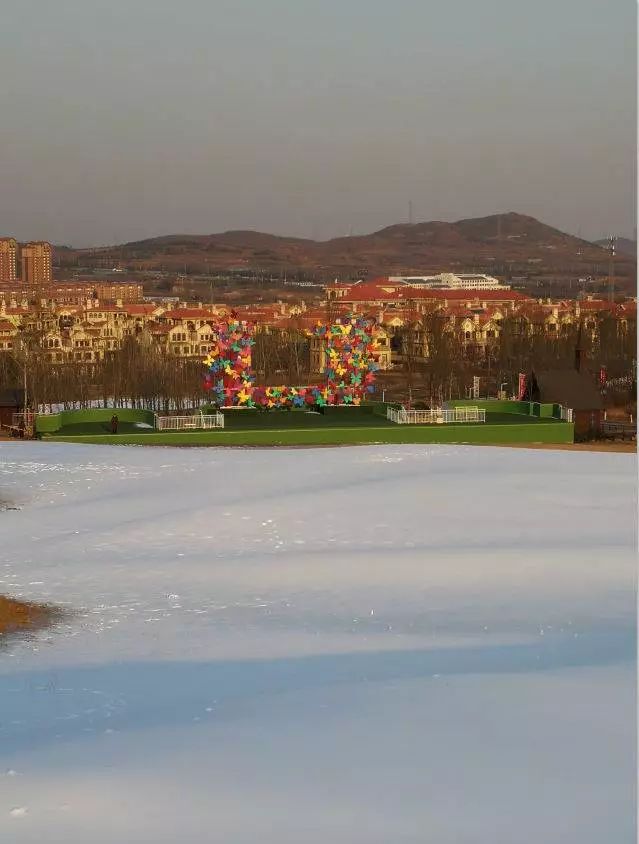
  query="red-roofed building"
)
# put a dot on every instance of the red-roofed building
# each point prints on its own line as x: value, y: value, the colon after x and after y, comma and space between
x: 198, y: 316
x: 147, y: 309
x: 383, y: 294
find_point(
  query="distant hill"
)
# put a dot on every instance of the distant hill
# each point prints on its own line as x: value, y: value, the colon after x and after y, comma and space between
x: 507, y: 243
x: 625, y: 246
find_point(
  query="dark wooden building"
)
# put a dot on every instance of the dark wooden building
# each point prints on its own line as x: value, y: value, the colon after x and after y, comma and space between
x: 11, y: 401
x: 572, y: 388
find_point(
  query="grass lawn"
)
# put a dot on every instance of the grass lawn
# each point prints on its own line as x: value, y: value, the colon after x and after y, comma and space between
x: 334, y: 426
x: 376, y: 431
x: 93, y: 428
x: 350, y: 417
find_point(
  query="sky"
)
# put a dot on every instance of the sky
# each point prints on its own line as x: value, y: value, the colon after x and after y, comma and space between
x: 125, y: 119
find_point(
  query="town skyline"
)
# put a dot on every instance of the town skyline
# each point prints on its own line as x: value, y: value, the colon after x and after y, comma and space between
x: 512, y: 246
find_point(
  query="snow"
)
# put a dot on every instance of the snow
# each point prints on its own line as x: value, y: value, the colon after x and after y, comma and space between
x: 376, y: 644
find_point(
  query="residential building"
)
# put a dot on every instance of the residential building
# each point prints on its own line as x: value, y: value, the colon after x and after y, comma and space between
x: 451, y: 281
x: 388, y: 293
x: 8, y: 334
x: 475, y: 317
x: 423, y: 301
x: 77, y: 326
x: 35, y: 261
x: 113, y: 291
x: 8, y: 257
x: 73, y: 293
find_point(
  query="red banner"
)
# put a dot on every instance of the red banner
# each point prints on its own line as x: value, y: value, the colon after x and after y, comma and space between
x: 522, y: 386
x: 603, y: 376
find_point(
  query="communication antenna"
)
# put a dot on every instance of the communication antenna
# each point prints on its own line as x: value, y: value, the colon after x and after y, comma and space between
x: 612, y: 240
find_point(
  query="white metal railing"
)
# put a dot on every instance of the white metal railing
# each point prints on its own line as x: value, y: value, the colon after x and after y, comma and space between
x: 622, y: 381
x: 466, y: 414
x: 402, y: 416
x: 182, y: 423
x: 565, y: 413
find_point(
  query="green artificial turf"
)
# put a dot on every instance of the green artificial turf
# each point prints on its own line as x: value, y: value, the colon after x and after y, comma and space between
x: 376, y: 432
x: 299, y: 427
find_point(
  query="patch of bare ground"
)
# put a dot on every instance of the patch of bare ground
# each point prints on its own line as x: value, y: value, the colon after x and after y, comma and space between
x: 619, y: 447
x: 20, y: 617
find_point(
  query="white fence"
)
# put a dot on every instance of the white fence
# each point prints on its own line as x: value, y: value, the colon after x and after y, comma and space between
x: 437, y: 416
x: 622, y: 381
x: 183, y: 423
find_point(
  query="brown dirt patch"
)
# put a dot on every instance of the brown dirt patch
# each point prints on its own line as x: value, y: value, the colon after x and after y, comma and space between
x: 619, y: 447
x: 24, y: 616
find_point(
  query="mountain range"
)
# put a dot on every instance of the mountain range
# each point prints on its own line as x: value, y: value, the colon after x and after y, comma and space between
x: 509, y: 243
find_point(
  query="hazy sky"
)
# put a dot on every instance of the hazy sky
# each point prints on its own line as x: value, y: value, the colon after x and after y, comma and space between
x: 122, y: 119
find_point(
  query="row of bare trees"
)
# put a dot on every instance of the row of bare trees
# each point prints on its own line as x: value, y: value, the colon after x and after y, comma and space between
x: 439, y: 364
x: 134, y: 376
x: 142, y: 375
x: 281, y: 356
x: 603, y: 341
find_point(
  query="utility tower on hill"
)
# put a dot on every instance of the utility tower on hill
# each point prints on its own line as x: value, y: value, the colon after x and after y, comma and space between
x: 612, y: 240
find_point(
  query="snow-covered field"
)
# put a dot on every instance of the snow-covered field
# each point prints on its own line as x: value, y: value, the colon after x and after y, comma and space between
x: 380, y: 645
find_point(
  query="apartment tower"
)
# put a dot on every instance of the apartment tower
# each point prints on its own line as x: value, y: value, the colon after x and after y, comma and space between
x: 35, y: 259
x: 8, y: 252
